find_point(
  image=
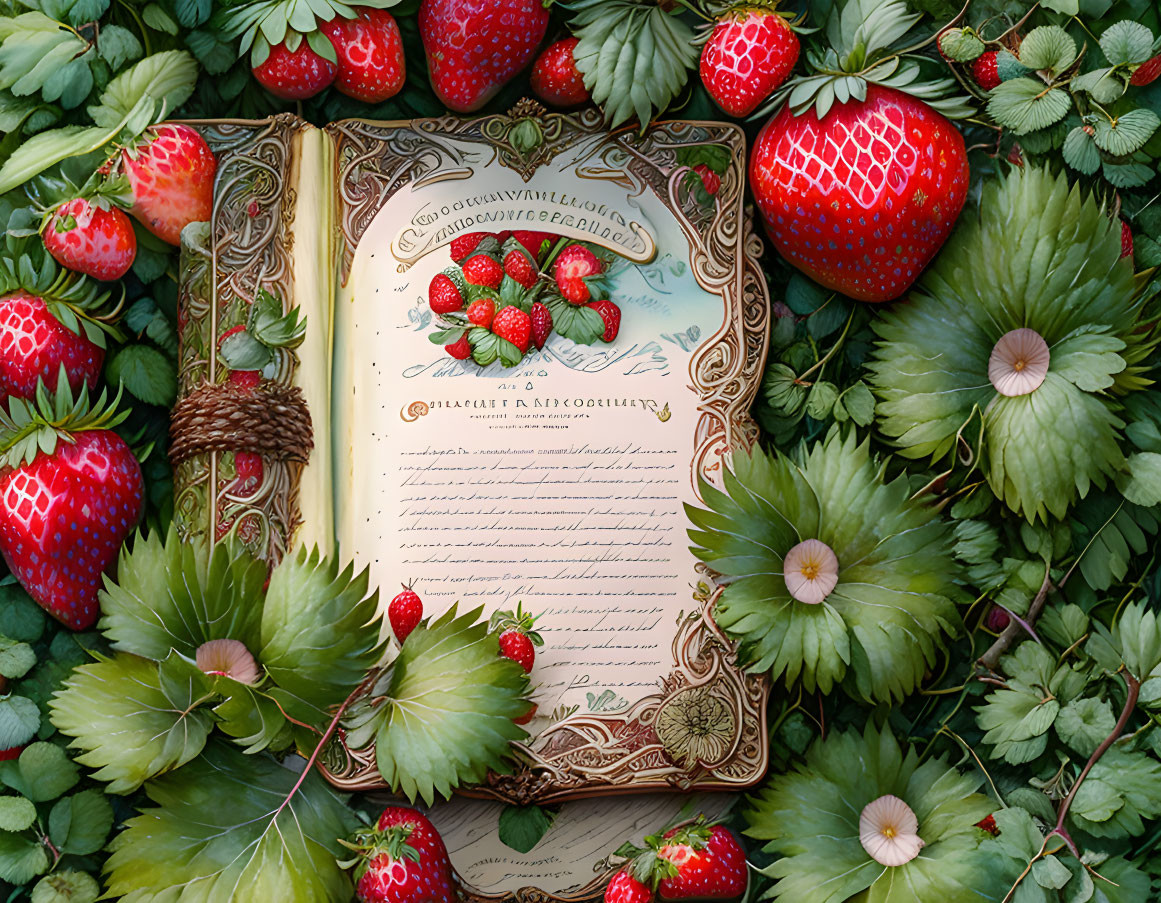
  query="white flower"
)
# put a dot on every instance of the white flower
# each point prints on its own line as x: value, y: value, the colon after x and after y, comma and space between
x: 1019, y: 363
x: 888, y: 831
x: 228, y: 658
x: 810, y: 571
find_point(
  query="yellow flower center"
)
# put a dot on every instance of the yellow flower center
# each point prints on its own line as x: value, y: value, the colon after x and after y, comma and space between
x: 888, y: 831
x: 810, y: 570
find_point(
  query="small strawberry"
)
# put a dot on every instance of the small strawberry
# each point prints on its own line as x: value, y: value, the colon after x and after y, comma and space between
x: 474, y: 47
x: 709, y: 861
x: 555, y: 78
x: 370, y: 52
x: 749, y: 54
x: 463, y: 245
x: 538, y: 244
x: 518, y: 265
x: 34, y: 345
x: 461, y: 350
x: 988, y: 824
x: 1147, y: 72
x: 1126, y: 240
x: 611, y: 314
x: 710, y: 180
x: 66, y: 505
x: 171, y: 173
x: 92, y: 238
x: 294, y: 75
x: 405, y: 612
x: 984, y: 70
x: 624, y: 888
x: 541, y: 318
x: 402, y: 860
x: 445, y: 294
x: 573, y: 266
x: 518, y: 639
x: 483, y: 269
x: 515, y: 326
x: 481, y: 312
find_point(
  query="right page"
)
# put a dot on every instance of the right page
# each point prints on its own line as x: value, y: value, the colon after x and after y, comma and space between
x: 555, y: 478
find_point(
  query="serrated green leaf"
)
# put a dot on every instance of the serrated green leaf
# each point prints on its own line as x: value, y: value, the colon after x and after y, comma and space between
x: 1051, y: 873
x: 262, y: 845
x: 1126, y: 133
x: 820, y: 400
x: 79, y: 824
x: 241, y: 351
x: 66, y: 886
x: 162, y: 81
x: 42, y: 772
x: 859, y: 403
x: 1141, y: 483
x: 36, y: 48
x: 1127, y: 175
x: 1048, y: 47
x: 1024, y: 105
x: 1105, y: 85
x: 1080, y: 152
x: 447, y: 714
x: 21, y: 858
x: 1084, y: 723
x: 16, y: 659
x: 1126, y: 790
x: 1127, y: 43
x: 156, y: 17
x: 16, y: 813
x: 146, y: 373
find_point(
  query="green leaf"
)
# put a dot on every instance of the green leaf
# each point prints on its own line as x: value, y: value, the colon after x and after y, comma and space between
x: 43, y: 772
x: 1126, y: 133
x: 253, y: 719
x: 1125, y: 792
x: 21, y: 858
x: 821, y: 399
x: 446, y: 715
x: 145, y: 372
x: 580, y: 324
x: 41, y: 151
x: 242, y: 351
x: 1127, y: 43
x: 1084, y: 723
x: 1105, y: 85
x: 80, y: 823
x: 66, y: 886
x: 36, y: 49
x: 962, y: 45
x: 1050, y: 872
x: 163, y: 81
x: 320, y: 633
x: 1048, y: 47
x: 19, y: 721
x: 1127, y: 175
x: 224, y: 828
x: 16, y: 659
x: 1080, y: 152
x: 118, y: 45
x: 16, y: 813
x: 522, y: 827
x: 132, y: 718
x: 859, y: 403
x: 1024, y: 105
x: 157, y: 18
x: 21, y: 619
x: 1141, y: 484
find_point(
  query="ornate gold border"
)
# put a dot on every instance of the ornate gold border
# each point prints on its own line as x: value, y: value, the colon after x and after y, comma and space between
x: 641, y: 748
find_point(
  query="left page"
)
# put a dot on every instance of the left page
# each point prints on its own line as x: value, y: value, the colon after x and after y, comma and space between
x: 244, y: 442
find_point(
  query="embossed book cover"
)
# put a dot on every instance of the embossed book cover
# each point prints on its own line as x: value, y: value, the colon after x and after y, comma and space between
x: 495, y: 433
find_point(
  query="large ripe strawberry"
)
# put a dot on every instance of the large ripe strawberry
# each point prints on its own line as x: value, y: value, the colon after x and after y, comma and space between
x: 555, y: 78
x: 481, y: 312
x: 520, y: 265
x: 171, y: 172
x: 67, y: 503
x: 574, y: 270
x: 445, y: 294
x: 515, y: 326
x: 91, y: 237
x: 484, y: 270
x: 541, y: 318
x: 474, y: 47
x: 749, y: 54
x: 370, y: 52
x: 709, y: 862
x: 294, y: 74
x: 861, y: 199
x: 34, y: 345
x: 538, y: 244
x: 402, y: 860
x: 463, y: 245
x: 611, y: 314
x: 624, y: 888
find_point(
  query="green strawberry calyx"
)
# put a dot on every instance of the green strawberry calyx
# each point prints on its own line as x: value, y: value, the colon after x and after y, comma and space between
x: 34, y: 425
x: 866, y: 46
x: 656, y: 861
x: 519, y: 620
x: 372, y: 843
x: 266, y: 330
x: 76, y: 301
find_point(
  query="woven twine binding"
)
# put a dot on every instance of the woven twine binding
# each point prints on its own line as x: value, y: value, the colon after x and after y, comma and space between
x: 271, y: 420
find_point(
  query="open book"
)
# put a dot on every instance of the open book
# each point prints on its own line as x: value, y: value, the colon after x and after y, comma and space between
x: 556, y: 477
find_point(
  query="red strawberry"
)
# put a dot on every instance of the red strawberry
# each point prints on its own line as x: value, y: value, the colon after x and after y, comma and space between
x: 519, y: 266
x: 63, y: 518
x: 541, y: 318
x: 555, y: 77
x: 749, y: 54
x: 481, y: 312
x: 444, y: 295
x: 517, y: 646
x: 461, y: 350
x: 710, y: 180
x: 985, y: 72
x: 988, y: 823
x: 513, y: 324
x: 1126, y: 240
x: 294, y: 75
x: 1147, y: 72
x: 572, y: 267
x: 172, y: 177
x: 711, y: 865
x: 370, y: 52
x: 611, y: 314
x: 862, y: 199
x: 483, y: 269
x: 34, y: 345
x: 624, y: 888
x: 462, y: 246
x: 13, y: 752
x: 405, y: 612
x: 403, y: 860
x: 475, y: 46
x: 92, y: 239
x: 537, y: 243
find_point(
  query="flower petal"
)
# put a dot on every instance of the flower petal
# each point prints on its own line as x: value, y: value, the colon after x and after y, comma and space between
x: 230, y: 658
x: 810, y: 570
x: 1018, y: 363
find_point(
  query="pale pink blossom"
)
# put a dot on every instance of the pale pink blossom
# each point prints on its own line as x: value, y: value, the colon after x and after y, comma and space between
x: 228, y: 658
x: 810, y: 570
x: 888, y: 831
x: 1019, y: 363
